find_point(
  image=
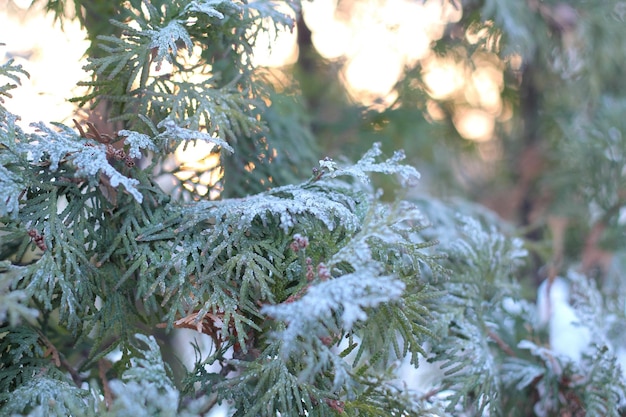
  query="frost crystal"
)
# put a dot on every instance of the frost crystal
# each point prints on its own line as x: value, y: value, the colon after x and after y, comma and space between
x: 329, y: 164
x: 408, y: 175
x: 287, y: 204
x: 147, y: 390
x: 164, y: 41
x: 177, y: 133
x: 489, y: 248
x: 137, y: 142
x: 209, y: 7
x: 89, y: 158
x: 10, y: 188
x: 346, y: 296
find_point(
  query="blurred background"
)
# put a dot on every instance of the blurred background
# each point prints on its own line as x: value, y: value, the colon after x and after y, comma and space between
x: 512, y: 107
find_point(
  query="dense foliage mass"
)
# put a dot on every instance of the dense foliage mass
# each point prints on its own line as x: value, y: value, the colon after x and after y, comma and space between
x: 323, y: 287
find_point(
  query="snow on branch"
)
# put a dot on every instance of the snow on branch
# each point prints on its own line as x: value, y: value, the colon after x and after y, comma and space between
x: 164, y: 41
x: 368, y: 163
x: 11, y: 183
x: 145, y: 388
x: 176, y: 133
x: 89, y: 157
x: 346, y: 297
x: 287, y: 204
x: 327, y: 309
x: 210, y: 7
x: 136, y: 142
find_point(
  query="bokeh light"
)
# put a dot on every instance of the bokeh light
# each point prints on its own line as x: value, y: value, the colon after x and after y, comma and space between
x: 53, y: 58
x: 373, y: 40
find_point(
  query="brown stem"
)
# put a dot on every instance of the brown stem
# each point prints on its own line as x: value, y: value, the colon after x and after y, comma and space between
x: 59, y: 360
x: 506, y: 348
x: 103, y: 367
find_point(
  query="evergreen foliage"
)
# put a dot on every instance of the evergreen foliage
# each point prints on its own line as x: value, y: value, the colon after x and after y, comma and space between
x: 321, y: 294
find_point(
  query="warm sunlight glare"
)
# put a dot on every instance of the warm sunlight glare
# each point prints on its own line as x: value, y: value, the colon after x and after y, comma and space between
x: 197, y: 163
x: 474, y: 124
x: 376, y: 40
x: 443, y: 77
x: 488, y: 83
x: 479, y: 84
x: 52, y: 57
x: 276, y: 47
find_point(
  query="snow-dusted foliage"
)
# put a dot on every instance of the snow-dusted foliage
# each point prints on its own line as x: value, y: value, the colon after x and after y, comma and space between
x: 30, y: 381
x: 211, y: 7
x: 407, y: 174
x: 489, y: 251
x: 164, y: 41
x: 310, y: 262
x: 316, y: 294
x: 136, y: 142
x: 483, y: 311
x: 13, y: 303
x: 144, y: 388
x: 175, y: 134
x: 284, y: 205
x: 341, y: 301
x: 39, y: 396
x: 90, y: 158
x: 596, y: 380
x: 11, y: 183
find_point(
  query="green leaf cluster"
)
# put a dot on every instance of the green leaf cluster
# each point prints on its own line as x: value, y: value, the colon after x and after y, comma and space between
x: 315, y: 294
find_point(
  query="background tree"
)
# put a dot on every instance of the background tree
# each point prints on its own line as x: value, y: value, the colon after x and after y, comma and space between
x: 321, y: 294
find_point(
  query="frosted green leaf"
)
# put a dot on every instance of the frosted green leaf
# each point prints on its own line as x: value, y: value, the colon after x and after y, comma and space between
x: 13, y: 303
x: 489, y: 248
x: 144, y: 388
x: 209, y: 7
x: 90, y: 158
x: 288, y: 204
x: 11, y: 185
x: 328, y: 308
x: 12, y: 160
x: 407, y: 174
x: 165, y: 41
x: 137, y: 141
x: 48, y: 396
x: 347, y: 296
x: 143, y: 399
x: 176, y: 133
x: 150, y: 367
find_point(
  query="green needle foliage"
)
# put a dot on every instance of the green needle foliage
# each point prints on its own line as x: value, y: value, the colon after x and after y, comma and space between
x: 317, y: 294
